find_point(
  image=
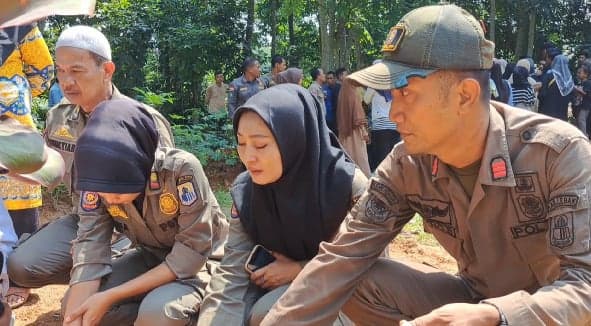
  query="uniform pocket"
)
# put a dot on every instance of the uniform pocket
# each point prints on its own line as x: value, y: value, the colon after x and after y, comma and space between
x: 542, y: 262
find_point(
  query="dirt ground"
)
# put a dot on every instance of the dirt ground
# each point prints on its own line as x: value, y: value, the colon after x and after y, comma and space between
x: 43, y: 307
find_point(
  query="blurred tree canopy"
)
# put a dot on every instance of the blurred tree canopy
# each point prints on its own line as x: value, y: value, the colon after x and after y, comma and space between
x: 174, y: 46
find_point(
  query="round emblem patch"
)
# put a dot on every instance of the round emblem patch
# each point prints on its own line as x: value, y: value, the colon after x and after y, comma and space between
x: 168, y: 204
x: 90, y: 201
x: 116, y: 211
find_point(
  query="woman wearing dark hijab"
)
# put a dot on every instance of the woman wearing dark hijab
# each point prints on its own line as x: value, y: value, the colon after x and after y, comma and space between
x: 557, y: 87
x: 523, y: 93
x: 502, y: 90
x: 298, y: 187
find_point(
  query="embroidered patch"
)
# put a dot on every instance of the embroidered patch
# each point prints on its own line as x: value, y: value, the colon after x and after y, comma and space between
x: 169, y: 225
x: 183, y: 179
x: 524, y: 183
x: 562, y: 231
x: 394, y: 38
x: 562, y: 201
x: 531, y: 206
x: 61, y: 146
x: 187, y: 193
x: 376, y: 210
x: 384, y: 191
x: 436, y: 213
x: 234, y: 212
x: 63, y: 132
x: 116, y: 211
x: 168, y: 204
x: 154, y: 181
x: 498, y: 167
x: 90, y: 201
x: 527, y: 229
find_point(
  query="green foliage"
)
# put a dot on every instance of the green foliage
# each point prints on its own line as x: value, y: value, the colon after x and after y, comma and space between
x: 39, y: 111
x: 211, y: 138
x: 156, y: 100
x: 225, y: 201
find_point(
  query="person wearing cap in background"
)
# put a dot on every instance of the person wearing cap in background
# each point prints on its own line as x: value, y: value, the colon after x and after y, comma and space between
x: 85, y: 70
x: 26, y: 70
x: 505, y: 191
x: 25, y: 157
x: 161, y: 199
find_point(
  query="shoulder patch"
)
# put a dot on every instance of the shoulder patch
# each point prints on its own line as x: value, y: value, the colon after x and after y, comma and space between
x: 90, y: 201
x: 168, y: 204
x: 63, y: 132
x: 183, y: 179
x: 154, y: 181
x: 116, y: 211
x: 187, y: 193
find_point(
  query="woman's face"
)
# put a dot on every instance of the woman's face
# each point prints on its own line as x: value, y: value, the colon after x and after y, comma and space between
x: 258, y: 149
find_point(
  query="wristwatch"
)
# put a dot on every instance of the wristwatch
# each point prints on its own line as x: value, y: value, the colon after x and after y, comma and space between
x: 503, y: 319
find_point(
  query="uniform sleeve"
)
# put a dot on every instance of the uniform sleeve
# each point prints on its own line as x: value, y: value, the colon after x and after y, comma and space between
x: 374, y: 221
x: 567, y: 301
x: 38, y: 63
x: 225, y: 302
x: 208, y: 95
x: 232, y: 98
x: 197, y: 220
x: 91, y: 250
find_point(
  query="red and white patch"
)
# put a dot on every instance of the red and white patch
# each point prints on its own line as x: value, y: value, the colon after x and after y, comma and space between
x: 498, y: 167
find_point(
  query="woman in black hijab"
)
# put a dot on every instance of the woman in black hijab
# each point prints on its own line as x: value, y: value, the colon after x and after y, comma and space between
x: 298, y: 187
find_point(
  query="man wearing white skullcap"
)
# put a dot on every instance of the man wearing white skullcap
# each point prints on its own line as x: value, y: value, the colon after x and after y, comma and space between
x: 85, y: 70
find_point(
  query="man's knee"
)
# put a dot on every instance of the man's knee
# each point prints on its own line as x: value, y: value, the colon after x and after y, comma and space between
x: 23, y: 271
x: 168, y: 307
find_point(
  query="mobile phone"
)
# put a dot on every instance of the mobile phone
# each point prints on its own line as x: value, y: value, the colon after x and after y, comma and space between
x: 259, y: 257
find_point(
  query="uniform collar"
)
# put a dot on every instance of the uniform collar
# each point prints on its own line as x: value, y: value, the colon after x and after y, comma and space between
x: 495, y: 166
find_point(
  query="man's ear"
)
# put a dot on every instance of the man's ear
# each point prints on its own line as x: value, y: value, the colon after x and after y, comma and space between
x: 469, y: 93
x: 109, y: 68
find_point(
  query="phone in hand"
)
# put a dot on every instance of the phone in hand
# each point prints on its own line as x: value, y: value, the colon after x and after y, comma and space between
x: 259, y: 257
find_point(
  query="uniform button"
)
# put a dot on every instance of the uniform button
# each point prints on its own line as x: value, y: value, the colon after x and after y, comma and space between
x: 526, y: 135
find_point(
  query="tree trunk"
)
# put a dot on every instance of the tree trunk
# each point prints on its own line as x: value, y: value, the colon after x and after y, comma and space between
x: 324, y: 24
x: 522, y: 32
x: 273, y: 21
x: 493, y: 17
x: 247, y: 46
x: 293, y: 60
x: 531, y: 37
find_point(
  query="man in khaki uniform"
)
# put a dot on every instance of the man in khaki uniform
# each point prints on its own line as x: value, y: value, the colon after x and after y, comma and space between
x: 161, y: 199
x: 506, y: 192
x: 85, y: 69
x: 215, y: 95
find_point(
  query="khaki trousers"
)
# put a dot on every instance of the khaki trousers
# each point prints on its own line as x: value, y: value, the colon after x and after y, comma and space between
x: 393, y: 291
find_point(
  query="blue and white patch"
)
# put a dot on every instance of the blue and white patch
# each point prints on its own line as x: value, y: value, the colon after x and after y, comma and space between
x: 187, y: 193
x: 89, y: 201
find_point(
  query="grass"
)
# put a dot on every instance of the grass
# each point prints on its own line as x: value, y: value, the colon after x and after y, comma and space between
x: 225, y: 201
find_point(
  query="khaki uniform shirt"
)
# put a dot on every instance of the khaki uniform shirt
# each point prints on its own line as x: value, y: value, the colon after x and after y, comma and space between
x: 522, y: 241
x: 225, y: 301
x: 180, y: 222
x: 65, y: 123
x: 318, y: 92
x: 215, y: 97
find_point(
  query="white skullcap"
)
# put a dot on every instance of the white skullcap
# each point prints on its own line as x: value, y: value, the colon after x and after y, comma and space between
x: 85, y: 38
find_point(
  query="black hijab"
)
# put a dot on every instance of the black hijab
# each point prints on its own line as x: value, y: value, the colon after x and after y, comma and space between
x: 311, y: 198
x: 116, y: 150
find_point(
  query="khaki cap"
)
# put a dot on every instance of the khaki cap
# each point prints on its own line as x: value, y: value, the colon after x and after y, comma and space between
x: 427, y: 39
